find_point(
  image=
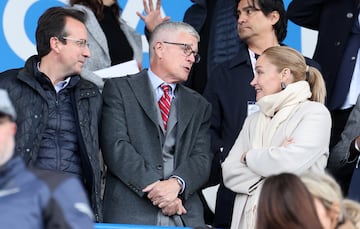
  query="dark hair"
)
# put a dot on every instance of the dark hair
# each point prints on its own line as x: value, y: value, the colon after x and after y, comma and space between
x: 52, y: 24
x: 268, y: 6
x: 286, y: 203
x: 97, y: 7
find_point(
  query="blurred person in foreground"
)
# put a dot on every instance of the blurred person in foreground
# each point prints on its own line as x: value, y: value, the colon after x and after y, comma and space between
x: 290, y: 133
x: 334, y: 211
x: 285, y: 203
x: 31, y: 198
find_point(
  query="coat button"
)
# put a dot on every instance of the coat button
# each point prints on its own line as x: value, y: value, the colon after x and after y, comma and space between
x: 338, y: 43
x: 349, y: 15
x: 159, y: 167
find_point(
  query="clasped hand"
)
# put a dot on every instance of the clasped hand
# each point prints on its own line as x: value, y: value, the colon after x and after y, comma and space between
x: 164, y: 194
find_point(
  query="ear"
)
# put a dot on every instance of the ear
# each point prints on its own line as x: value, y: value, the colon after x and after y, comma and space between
x: 286, y: 75
x: 274, y: 17
x: 55, y: 44
x: 158, y: 49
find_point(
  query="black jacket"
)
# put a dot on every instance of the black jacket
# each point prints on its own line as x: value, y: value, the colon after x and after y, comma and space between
x: 29, y: 99
x: 334, y: 20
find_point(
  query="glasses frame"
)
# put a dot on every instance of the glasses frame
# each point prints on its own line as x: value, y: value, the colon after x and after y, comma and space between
x: 82, y: 43
x: 187, y: 50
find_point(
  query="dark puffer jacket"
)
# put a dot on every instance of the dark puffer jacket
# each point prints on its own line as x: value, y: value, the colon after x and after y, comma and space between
x: 29, y: 99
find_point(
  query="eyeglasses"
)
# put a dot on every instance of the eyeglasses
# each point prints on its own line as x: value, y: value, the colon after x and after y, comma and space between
x: 248, y: 12
x: 82, y: 43
x: 187, y: 50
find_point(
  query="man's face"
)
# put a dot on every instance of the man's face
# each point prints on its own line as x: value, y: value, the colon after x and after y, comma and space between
x: 176, y: 64
x: 252, y: 22
x: 75, y: 51
x: 7, y: 138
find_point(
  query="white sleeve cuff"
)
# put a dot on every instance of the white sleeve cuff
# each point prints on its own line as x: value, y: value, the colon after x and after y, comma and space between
x: 181, y: 182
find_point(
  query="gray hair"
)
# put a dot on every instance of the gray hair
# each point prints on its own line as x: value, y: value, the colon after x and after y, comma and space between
x: 168, y: 30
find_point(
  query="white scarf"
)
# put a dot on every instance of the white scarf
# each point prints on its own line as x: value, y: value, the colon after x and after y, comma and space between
x: 276, y: 108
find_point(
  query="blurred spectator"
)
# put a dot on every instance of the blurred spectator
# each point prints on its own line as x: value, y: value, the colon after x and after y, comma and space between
x: 285, y: 203
x: 333, y: 210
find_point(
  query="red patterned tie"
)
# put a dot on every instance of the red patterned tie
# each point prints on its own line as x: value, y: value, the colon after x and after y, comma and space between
x: 164, y: 104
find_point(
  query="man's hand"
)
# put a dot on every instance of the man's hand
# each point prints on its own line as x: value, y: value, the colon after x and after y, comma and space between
x: 162, y: 193
x: 174, y: 207
x: 152, y: 16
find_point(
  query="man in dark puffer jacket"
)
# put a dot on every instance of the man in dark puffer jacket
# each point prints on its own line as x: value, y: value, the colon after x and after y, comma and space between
x: 58, y: 112
x: 36, y: 199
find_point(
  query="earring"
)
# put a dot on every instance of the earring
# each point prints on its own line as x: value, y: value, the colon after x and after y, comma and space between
x: 283, y: 85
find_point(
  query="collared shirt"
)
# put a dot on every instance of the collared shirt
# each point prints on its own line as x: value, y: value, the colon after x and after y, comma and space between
x: 60, y: 85
x: 156, y: 81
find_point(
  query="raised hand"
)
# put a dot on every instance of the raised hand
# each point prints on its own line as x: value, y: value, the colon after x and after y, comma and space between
x: 152, y: 16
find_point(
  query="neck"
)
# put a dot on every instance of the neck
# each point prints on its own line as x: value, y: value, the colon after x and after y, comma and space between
x: 259, y: 44
x: 52, y: 71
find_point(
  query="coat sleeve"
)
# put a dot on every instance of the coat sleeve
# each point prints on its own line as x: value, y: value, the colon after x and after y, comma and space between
x: 340, y: 152
x: 237, y: 176
x: 305, y: 13
x: 195, y: 168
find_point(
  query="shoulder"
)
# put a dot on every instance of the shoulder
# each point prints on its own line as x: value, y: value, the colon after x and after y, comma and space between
x: 192, y: 93
x: 312, y: 108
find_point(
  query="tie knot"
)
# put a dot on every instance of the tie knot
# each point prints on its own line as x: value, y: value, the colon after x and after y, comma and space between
x: 166, y: 88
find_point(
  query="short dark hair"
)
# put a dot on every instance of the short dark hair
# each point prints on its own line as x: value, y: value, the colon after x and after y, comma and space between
x: 268, y: 6
x: 51, y: 24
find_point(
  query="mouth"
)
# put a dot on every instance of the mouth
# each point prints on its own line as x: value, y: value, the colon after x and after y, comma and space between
x: 187, y: 69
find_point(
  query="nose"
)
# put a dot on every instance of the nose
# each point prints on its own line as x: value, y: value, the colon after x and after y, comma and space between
x: 253, y: 81
x: 86, y: 52
x: 191, y: 58
x: 242, y: 17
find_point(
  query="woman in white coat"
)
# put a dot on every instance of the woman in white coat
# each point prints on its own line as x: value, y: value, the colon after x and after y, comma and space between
x: 290, y: 133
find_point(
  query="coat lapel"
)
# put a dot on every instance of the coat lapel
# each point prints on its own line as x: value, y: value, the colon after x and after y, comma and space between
x: 186, y: 106
x: 141, y: 87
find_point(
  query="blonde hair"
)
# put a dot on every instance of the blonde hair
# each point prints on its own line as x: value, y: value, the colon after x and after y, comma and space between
x: 325, y: 188
x: 352, y: 212
x: 285, y: 57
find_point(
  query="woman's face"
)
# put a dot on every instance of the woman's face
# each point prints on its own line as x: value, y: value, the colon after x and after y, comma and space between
x: 327, y: 218
x: 267, y: 79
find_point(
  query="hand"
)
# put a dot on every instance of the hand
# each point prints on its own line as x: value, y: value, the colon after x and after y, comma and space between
x: 174, y: 207
x: 152, y: 16
x: 162, y: 193
x: 287, y: 142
